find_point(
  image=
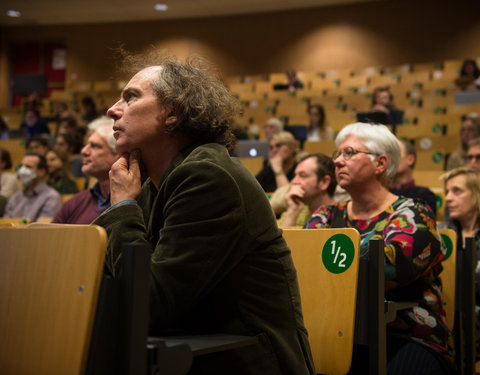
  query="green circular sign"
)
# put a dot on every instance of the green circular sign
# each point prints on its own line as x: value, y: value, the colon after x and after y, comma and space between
x: 448, y: 244
x: 436, y: 128
x: 338, y: 253
x: 439, y: 201
x: 437, y: 157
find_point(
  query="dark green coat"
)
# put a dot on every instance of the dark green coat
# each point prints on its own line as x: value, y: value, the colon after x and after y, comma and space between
x: 219, y: 263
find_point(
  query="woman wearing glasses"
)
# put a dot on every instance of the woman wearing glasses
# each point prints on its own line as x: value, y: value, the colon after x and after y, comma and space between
x: 366, y: 159
x: 279, y: 170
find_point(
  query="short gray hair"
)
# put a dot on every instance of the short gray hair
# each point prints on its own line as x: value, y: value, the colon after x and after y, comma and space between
x: 104, y: 126
x: 377, y: 139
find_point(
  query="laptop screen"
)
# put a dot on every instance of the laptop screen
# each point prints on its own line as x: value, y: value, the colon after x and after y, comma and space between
x: 252, y: 148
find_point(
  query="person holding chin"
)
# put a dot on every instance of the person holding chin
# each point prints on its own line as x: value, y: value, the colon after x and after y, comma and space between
x: 366, y: 160
x: 219, y: 263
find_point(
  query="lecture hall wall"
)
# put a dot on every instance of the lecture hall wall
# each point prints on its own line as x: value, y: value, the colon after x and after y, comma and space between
x: 379, y: 33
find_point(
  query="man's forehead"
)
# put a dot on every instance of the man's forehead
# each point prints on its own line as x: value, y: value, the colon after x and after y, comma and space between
x: 474, y: 149
x: 146, y: 74
x: 30, y: 160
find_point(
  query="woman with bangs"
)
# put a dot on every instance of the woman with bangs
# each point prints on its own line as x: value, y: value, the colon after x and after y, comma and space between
x: 366, y: 160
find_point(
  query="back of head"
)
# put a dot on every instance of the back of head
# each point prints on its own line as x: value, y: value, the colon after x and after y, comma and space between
x: 104, y: 126
x: 203, y: 105
x: 377, y: 139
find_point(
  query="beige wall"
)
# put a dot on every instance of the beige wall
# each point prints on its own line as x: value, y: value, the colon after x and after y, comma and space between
x: 360, y: 35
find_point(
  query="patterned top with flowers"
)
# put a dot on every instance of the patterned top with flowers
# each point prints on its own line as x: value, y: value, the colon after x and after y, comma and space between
x: 413, y: 255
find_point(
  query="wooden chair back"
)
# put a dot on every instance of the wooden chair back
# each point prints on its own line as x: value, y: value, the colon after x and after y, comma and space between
x: 49, y: 281
x: 14, y: 221
x: 254, y: 164
x: 448, y: 275
x: 327, y: 268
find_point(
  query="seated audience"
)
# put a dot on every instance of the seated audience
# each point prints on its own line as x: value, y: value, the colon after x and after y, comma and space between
x: 473, y: 154
x: 8, y: 181
x: 37, y: 198
x: 272, y: 126
x: 470, y: 129
x: 403, y: 183
x: 38, y: 144
x: 365, y: 163
x: 59, y: 173
x: 462, y: 197
x: 317, y: 129
x: 313, y: 186
x: 32, y: 124
x: 469, y: 78
x: 279, y: 169
x: 98, y: 156
x: 382, y: 101
x: 70, y: 145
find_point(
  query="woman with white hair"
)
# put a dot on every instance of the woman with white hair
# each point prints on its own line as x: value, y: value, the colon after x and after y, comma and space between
x: 366, y: 159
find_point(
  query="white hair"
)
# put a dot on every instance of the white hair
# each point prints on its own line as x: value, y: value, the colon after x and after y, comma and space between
x: 378, y: 139
x: 104, y: 126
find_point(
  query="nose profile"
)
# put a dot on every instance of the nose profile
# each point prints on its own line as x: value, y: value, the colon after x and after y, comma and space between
x: 113, y: 112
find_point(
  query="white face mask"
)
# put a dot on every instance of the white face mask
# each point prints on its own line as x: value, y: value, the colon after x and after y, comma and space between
x: 25, y: 175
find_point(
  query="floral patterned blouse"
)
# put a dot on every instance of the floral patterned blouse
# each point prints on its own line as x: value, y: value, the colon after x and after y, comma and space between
x: 413, y: 254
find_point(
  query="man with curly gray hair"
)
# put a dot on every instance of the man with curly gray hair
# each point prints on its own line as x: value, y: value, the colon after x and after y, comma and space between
x: 219, y: 262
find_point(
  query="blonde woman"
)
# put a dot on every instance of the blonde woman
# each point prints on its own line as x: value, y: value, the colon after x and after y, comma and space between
x: 279, y: 170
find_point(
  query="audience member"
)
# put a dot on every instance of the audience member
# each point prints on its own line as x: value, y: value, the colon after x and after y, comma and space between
x: 382, y: 101
x: 470, y: 129
x: 469, y: 78
x: 219, y: 262
x: 70, y: 145
x: 279, y: 169
x: 403, y: 183
x: 473, y: 154
x: 89, y: 110
x: 272, y: 126
x: 317, y: 129
x: 462, y: 197
x: 38, y: 144
x: 33, y: 124
x: 293, y: 82
x: 61, y: 111
x: 8, y: 181
x: 59, y: 173
x: 313, y: 186
x: 67, y: 124
x: 37, y: 198
x: 365, y: 163
x: 98, y: 156
x: 4, y: 134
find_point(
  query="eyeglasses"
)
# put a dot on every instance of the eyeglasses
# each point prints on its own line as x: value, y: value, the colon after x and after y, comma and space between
x: 471, y: 157
x: 348, y: 153
x: 276, y: 145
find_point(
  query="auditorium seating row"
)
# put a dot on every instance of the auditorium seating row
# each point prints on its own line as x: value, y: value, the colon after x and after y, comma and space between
x: 73, y: 316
